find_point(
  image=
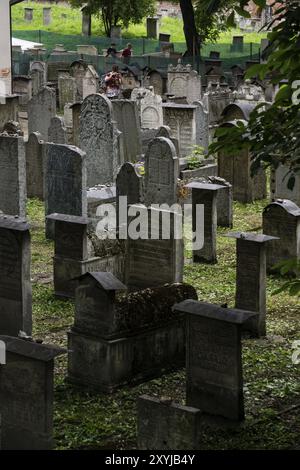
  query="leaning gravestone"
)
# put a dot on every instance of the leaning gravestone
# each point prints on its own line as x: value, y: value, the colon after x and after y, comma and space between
x: 41, y: 109
x: 100, y: 139
x: 57, y: 132
x: 15, y: 285
x: 12, y: 176
x: 281, y: 219
x: 34, y: 166
x: 64, y: 182
x: 26, y: 394
x: 161, y: 172
x: 150, y: 107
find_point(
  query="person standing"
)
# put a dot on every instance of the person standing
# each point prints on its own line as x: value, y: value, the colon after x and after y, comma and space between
x: 111, y: 51
x: 113, y: 81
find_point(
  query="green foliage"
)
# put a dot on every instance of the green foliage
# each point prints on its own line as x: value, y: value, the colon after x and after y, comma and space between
x: 118, y: 12
x: 195, y: 159
x: 292, y: 286
x: 211, y: 18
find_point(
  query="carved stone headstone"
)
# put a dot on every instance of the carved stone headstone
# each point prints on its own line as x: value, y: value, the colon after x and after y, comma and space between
x: 34, y: 166
x: 150, y: 107
x: 57, y: 132
x: 12, y: 176
x: 41, y: 109
x: 184, y: 82
x: 15, y: 284
x: 125, y: 113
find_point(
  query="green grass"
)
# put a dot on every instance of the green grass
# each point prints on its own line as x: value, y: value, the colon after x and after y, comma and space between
x: 66, y: 20
x: 85, y: 420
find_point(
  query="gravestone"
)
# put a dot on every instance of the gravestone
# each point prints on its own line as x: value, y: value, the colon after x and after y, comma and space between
x: 152, y: 27
x: 224, y: 202
x: 41, y: 109
x: 150, y: 107
x: 203, y: 126
x: 12, y: 176
x: 251, y: 276
x: 46, y: 16
x: 205, y: 195
x: 161, y: 172
x: 9, y: 108
x: 28, y: 14
x: 125, y: 113
x: 237, y: 44
x: 27, y: 394
x: 236, y: 169
x: 66, y: 90
x: 76, y: 110
x: 100, y: 139
x: 214, y: 381
x: 153, y: 259
x: 15, y: 283
x: 57, y: 132
x: 157, y: 79
x: 64, y: 182
x: 34, y: 166
x: 183, y: 82
x: 129, y: 185
x: 183, y: 122
x: 281, y: 219
x: 86, y: 22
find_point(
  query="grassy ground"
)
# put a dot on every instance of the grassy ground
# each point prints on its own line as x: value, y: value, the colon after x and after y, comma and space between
x: 271, y: 382
x: 68, y: 21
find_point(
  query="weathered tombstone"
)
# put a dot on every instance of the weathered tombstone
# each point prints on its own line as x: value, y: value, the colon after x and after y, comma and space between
x: 125, y: 113
x: 205, y: 195
x: 28, y: 14
x: 152, y: 27
x: 66, y: 89
x: 237, y: 44
x: 86, y: 77
x: 214, y: 381
x: 281, y: 219
x: 15, y: 284
x: 90, y: 82
x: 64, y: 182
x: 118, y: 341
x: 161, y: 172
x: 157, y: 79
x: 57, y: 132
x: 183, y: 122
x: 251, y: 276
x: 236, y: 169
x: 86, y: 21
x: 9, y: 108
x: 46, y: 16
x: 27, y: 394
x: 153, y: 259
x: 202, y: 126
x: 71, y: 258
x: 12, y: 176
x: 76, y: 110
x: 100, y: 139
x: 41, y: 109
x: 183, y: 82
x: 224, y: 202
x: 128, y: 184
x: 34, y: 166
x: 150, y: 107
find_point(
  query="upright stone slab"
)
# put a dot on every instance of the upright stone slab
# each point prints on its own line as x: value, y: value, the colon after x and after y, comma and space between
x: 100, y: 139
x: 150, y: 107
x: 224, y: 202
x: 129, y: 185
x: 41, y: 109
x: 46, y: 16
x: 153, y: 259
x: 15, y: 283
x: 12, y: 176
x: 214, y: 381
x: 86, y: 22
x: 281, y: 219
x: 66, y: 89
x: 126, y: 115
x: 202, y: 124
x: 9, y: 108
x: 152, y: 27
x: 27, y: 394
x: 183, y: 122
x: 57, y: 132
x: 205, y: 195
x: 64, y: 182
x: 183, y: 82
x: 251, y: 276
x: 34, y: 151
x: 161, y: 172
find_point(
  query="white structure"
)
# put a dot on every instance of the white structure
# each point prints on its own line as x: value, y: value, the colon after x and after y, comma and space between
x: 5, y: 47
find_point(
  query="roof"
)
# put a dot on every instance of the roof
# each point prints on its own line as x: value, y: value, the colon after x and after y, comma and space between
x: 205, y: 186
x: 246, y: 108
x: 14, y: 223
x: 40, y: 352
x: 287, y: 205
x: 73, y: 219
x: 214, y: 312
x: 106, y: 280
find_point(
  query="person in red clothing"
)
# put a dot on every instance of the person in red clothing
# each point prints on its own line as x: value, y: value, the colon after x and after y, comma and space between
x: 127, y: 53
x: 113, y: 81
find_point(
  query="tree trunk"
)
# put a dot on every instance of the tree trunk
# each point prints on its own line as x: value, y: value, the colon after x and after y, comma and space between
x: 190, y: 31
